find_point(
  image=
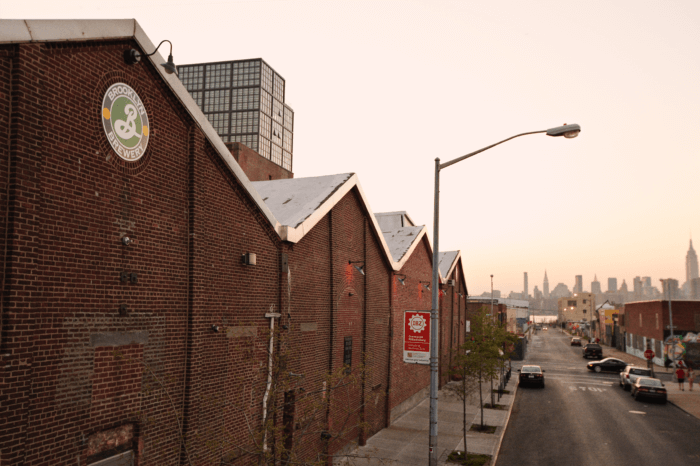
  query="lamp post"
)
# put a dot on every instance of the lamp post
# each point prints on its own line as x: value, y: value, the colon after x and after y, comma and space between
x: 568, y: 131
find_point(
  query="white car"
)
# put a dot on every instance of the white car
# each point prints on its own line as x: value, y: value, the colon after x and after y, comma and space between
x: 630, y: 375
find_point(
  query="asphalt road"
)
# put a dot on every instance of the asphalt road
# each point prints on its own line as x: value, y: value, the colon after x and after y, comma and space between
x: 585, y: 418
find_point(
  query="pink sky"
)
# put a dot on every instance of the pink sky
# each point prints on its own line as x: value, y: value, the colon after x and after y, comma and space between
x: 381, y: 88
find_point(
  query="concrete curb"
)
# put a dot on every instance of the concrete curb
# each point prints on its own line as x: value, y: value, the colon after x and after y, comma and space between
x: 494, y: 458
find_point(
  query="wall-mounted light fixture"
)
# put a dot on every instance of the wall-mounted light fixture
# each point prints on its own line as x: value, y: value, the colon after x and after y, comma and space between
x: 426, y: 285
x: 133, y: 56
x: 360, y: 268
x: 249, y: 258
x: 126, y: 240
x: 401, y: 280
x: 215, y: 328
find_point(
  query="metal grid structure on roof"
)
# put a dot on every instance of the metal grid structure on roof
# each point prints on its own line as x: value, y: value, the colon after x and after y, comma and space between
x: 244, y: 101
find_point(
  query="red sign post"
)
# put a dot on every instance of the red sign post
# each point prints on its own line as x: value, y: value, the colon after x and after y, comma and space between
x: 416, y: 337
x: 649, y: 354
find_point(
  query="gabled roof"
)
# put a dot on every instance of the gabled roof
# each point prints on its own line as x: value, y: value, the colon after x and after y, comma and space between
x: 389, y: 221
x: 447, y: 261
x: 18, y: 31
x: 300, y: 203
x: 403, y: 241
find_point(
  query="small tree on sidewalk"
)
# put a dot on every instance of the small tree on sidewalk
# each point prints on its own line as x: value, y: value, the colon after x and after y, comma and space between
x: 479, y: 360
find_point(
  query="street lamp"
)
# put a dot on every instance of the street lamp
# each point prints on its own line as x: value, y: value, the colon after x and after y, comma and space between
x: 568, y: 131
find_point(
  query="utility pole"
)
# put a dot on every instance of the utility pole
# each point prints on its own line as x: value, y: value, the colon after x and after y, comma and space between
x: 667, y: 287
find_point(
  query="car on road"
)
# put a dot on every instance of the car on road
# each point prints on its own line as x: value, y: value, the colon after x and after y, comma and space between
x: 544, y: 328
x: 531, y: 375
x: 607, y: 365
x: 593, y: 350
x: 576, y: 341
x: 646, y: 387
x: 630, y: 375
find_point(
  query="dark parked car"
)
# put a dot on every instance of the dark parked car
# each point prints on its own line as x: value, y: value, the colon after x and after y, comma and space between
x: 576, y: 341
x: 531, y: 375
x: 607, y: 365
x: 593, y: 350
x: 646, y: 387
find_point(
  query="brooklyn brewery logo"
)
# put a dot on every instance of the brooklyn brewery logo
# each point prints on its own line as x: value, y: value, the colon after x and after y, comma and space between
x: 125, y: 121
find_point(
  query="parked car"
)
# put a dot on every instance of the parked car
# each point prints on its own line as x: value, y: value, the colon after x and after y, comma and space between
x: 576, y: 341
x: 630, y: 375
x: 531, y: 375
x: 646, y: 387
x: 607, y: 365
x: 593, y: 350
x: 545, y: 328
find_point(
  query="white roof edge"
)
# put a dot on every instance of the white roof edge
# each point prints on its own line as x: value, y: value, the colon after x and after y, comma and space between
x: 13, y: 31
x: 295, y: 235
x: 453, y: 265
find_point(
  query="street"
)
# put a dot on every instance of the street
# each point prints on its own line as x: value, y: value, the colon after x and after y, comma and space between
x: 585, y: 418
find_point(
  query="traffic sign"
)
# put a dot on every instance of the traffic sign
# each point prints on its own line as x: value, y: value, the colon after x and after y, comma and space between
x: 649, y: 354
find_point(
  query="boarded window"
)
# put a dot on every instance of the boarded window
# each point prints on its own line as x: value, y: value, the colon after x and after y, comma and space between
x: 347, y: 352
x: 122, y: 459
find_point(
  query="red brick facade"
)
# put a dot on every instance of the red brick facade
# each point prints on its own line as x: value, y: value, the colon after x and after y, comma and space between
x: 257, y: 167
x: 107, y: 346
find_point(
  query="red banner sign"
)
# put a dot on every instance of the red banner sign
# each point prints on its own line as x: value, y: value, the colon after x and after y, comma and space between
x: 416, y: 337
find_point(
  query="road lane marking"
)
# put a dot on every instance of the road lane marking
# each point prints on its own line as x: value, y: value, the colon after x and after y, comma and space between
x: 590, y: 389
x: 637, y: 412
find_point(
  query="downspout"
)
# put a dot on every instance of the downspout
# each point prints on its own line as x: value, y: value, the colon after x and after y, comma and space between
x: 272, y: 316
x: 188, y: 294
x: 387, y: 392
x: 7, y: 203
x: 326, y: 394
x: 363, y: 398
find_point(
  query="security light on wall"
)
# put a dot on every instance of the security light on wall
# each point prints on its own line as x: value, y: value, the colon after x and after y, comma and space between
x: 426, y: 285
x: 401, y: 280
x: 249, y: 258
x: 360, y: 268
x: 133, y: 56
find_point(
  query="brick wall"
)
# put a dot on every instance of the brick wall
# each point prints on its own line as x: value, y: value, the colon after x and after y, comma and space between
x: 255, y: 166
x: 67, y: 312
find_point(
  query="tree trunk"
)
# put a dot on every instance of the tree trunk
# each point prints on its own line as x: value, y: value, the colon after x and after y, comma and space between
x: 481, y: 400
x: 464, y: 412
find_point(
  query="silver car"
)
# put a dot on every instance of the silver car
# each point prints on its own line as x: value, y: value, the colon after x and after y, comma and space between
x: 630, y: 375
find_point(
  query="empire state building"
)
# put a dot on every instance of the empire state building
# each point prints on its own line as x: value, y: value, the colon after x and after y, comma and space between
x: 691, y: 265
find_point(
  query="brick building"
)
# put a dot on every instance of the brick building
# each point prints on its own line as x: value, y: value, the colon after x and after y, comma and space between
x: 144, y: 272
x: 646, y: 324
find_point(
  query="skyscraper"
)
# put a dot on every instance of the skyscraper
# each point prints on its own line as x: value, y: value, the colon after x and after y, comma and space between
x: 244, y: 102
x: 595, y: 286
x: 612, y: 285
x: 526, y: 291
x: 691, y: 264
x: 578, y: 287
x: 545, y: 286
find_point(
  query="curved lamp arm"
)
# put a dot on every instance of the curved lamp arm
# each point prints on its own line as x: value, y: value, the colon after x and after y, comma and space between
x: 568, y: 131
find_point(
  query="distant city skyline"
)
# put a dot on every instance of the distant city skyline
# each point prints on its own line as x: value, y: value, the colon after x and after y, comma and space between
x: 614, y: 283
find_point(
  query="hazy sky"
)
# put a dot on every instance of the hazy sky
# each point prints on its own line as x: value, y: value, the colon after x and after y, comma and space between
x: 381, y: 88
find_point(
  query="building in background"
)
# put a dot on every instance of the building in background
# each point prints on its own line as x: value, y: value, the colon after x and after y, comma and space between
x: 576, y: 308
x: 612, y: 285
x: 526, y: 288
x: 545, y: 285
x: 691, y: 269
x: 244, y: 101
x: 578, y: 287
x: 595, y: 286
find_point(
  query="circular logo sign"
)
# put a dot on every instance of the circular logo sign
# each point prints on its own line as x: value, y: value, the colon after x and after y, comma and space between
x: 125, y: 122
x: 417, y: 323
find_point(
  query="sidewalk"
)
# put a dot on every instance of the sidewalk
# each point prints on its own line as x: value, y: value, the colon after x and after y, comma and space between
x: 405, y: 442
